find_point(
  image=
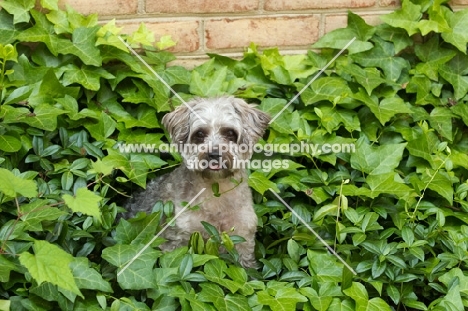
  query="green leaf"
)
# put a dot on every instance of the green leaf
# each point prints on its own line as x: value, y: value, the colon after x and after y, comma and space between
x: 359, y: 294
x: 388, y: 183
x: 328, y: 88
x: 383, y: 56
x: 455, y: 73
x: 85, y: 201
x: 260, y: 183
x: 139, y: 274
x: 50, y: 264
x: 88, y: 278
x: 214, y: 294
x: 284, y: 299
x: 208, y: 84
x: 423, y: 145
x: 9, y: 143
x: 50, y: 4
x: 436, y: 22
x: 407, y: 17
x: 338, y: 38
x: 83, y: 46
x: 369, y: 78
x: 440, y: 182
x: 35, y: 213
x: 13, y: 186
x: 43, y: 31
x: 432, y: 55
x: 386, y: 108
x: 165, y: 42
x: 19, y: 9
x: 87, y: 76
x: 457, y: 34
x: 376, y: 160
x: 441, y: 120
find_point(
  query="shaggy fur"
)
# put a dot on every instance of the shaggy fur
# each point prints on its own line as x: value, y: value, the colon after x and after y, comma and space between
x: 229, y: 122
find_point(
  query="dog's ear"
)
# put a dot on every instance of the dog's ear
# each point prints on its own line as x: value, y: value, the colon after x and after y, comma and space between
x: 254, y: 121
x: 177, y: 124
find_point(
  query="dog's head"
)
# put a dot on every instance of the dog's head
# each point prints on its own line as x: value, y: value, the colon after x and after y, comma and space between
x: 216, y: 134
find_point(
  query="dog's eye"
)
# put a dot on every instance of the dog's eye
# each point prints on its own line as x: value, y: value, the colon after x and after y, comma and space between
x: 200, y: 134
x: 231, y: 135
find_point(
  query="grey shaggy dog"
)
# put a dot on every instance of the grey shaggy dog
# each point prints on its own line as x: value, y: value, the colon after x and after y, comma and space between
x: 215, y: 129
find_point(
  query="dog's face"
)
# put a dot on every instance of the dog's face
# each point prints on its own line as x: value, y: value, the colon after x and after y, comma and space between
x: 215, y: 135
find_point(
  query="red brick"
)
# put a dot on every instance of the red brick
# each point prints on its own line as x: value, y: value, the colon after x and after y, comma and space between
x: 386, y: 3
x: 286, y: 5
x: 266, y: 31
x: 185, y: 33
x: 200, y: 6
x: 459, y: 2
x: 103, y: 7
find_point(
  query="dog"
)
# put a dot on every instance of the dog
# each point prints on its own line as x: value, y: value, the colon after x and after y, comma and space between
x: 215, y: 134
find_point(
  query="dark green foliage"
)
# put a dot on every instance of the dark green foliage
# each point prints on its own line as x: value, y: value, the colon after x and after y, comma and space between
x: 394, y: 207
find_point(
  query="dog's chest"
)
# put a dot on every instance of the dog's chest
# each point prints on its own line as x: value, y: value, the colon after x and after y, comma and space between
x: 224, y: 212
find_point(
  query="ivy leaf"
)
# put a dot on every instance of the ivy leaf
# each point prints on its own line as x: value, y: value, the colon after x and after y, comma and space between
x: 165, y: 42
x: 12, y: 185
x: 423, y: 145
x: 457, y: 34
x: 375, y: 160
x: 260, y: 183
x: 455, y: 73
x: 331, y: 89
x: 9, y: 143
x: 44, y: 116
x: 383, y: 56
x: 8, y: 30
x: 386, y: 109
x: 43, y: 31
x: 85, y: 201
x: 440, y: 182
x: 436, y: 22
x: 50, y: 4
x: 359, y: 294
x: 398, y: 36
x: 19, y: 9
x: 105, y: 126
x: 49, y: 89
x: 407, y: 17
x: 210, y: 84
x: 83, y: 46
x: 87, y: 76
x: 34, y: 213
x: 88, y: 278
x: 369, y: 78
x: 142, y: 36
x: 338, y: 38
x: 213, y: 293
x: 432, y: 56
x: 440, y: 119
x: 139, y: 275
x: 388, y: 183
x: 284, y: 299
x: 50, y: 264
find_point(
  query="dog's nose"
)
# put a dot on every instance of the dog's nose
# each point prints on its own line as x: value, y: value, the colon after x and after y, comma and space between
x: 214, y: 155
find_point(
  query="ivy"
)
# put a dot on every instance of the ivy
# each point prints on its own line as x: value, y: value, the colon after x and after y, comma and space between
x: 391, y: 200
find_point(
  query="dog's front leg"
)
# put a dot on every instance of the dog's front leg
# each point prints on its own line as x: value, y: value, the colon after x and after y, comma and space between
x: 246, y: 252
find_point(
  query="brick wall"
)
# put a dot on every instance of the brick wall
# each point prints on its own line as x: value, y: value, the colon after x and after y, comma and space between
x: 228, y: 26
